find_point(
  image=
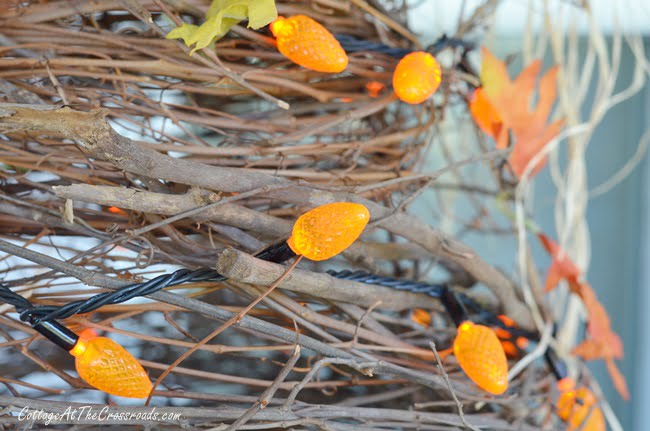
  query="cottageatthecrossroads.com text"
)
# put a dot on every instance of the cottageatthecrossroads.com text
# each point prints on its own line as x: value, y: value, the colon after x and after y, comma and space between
x: 93, y: 413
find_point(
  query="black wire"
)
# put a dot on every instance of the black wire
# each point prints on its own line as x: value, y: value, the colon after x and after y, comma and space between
x: 10, y: 297
x: 353, y: 44
x: 278, y: 252
x: 444, y: 42
x: 457, y: 304
x: 45, y: 313
x: 436, y: 291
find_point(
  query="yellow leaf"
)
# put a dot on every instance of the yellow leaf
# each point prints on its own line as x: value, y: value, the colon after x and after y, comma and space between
x: 221, y: 17
x: 261, y: 13
x: 184, y: 32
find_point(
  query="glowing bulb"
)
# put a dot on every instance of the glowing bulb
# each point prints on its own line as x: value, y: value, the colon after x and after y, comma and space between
x: 566, y: 384
x: 416, y: 77
x: 421, y: 317
x: 309, y: 44
x: 107, y: 366
x: 573, y: 406
x: 327, y: 230
x: 375, y: 88
x: 511, y: 346
x: 481, y: 357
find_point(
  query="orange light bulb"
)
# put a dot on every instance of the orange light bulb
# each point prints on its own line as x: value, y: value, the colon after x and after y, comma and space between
x: 327, y: 230
x: 573, y: 407
x: 566, y: 384
x: 107, y: 366
x: 375, y: 88
x: 309, y: 44
x: 481, y: 356
x: 421, y: 317
x: 511, y: 346
x: 416, y: 77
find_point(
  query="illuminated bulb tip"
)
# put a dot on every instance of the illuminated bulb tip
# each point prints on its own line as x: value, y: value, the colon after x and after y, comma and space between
x: 416, y: 77
x: 276, y: 26
x: 481, y: 356
x: 309, y: 44
x: 107, y: 366
x: 327, y: 230
x: 566, y: 384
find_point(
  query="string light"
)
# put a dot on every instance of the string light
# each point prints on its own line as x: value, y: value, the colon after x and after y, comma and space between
x: 513, y: 346
x: 308, y: 44
x: 109, y: 367
x: 416, y: 77
x: 327, y: 230
x: 375, y: 88
x: 481, y: 356
x: 579, y: 409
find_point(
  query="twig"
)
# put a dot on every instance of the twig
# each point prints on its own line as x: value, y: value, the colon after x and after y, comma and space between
x: 365, y: 368
x: 100, y: 140
x: 445, y: 376
x: 268, y: 394
x: 245, y: 268
x: 234, y: 319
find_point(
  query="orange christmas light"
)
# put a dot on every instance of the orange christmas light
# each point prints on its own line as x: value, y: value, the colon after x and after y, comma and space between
x: 327, y: 230
x: 511, y: 346
x: 481, y: 356
x: 375, y: 88
x: 416, y: 77
x: 309, y: 44
x: 579, y: 409
x: 421, y: 317
x: 107, y: 366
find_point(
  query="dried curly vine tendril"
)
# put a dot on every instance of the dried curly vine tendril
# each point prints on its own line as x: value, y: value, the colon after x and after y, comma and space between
x: 107, y: 366
x: 481, y: 356
x: 309, y: 44
x: 416, y: 77
x: 327, y: 230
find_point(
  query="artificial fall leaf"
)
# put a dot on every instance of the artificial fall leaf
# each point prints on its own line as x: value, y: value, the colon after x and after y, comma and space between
x: 486, y: 117
x: 602, y: 341
x: 618, y: 379
x: 599, y: 327
x: 562, y: 267
x: 502, y: 106
x: 221, y: 17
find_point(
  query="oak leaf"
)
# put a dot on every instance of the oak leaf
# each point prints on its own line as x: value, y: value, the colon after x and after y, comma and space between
x: 562, y: 267
x: 602, y: 342
x: 501, y: 107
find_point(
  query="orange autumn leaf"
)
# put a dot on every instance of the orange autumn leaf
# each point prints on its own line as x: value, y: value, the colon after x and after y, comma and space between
x: 617, y: 378
x: 602, y: 341
x: 599, y: 326
x: 486, y: 117
x: 503, y: 106
x: 562, y: 267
